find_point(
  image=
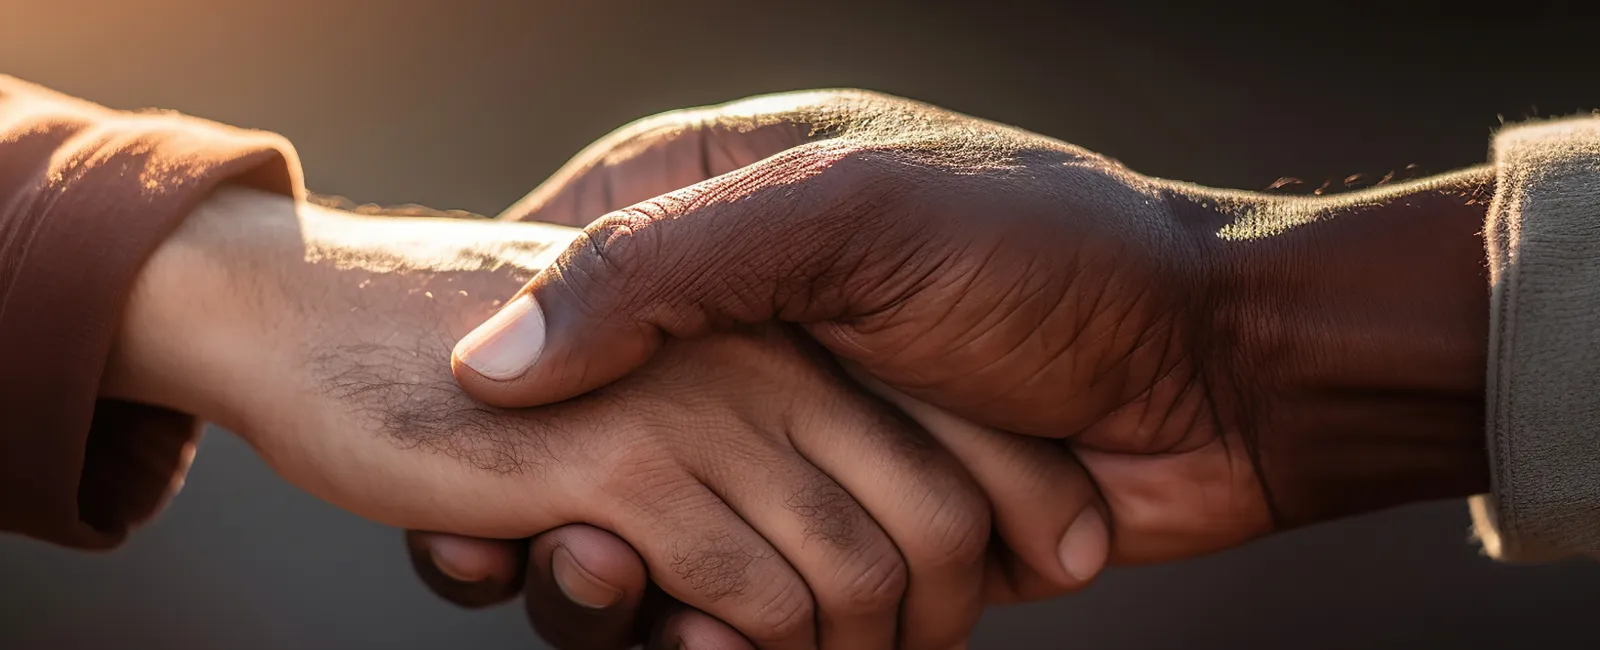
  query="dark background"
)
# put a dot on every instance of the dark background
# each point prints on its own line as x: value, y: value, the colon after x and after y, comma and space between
x: 469, y: 103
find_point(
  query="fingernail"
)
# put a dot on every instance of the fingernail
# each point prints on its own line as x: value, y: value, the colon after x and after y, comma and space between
x: 453, y: 561
x: 1085, y: 545
x: 507, y: 345
x: 578, y: 584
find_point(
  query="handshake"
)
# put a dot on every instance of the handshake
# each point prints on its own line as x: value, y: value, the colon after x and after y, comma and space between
x: 827, y: 370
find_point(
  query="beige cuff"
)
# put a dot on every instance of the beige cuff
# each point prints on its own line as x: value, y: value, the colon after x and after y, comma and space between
x: 1543, y: 398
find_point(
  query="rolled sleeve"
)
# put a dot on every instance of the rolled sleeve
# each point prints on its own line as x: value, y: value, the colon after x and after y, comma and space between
x: 1543, y: 400
x: 86, y: 195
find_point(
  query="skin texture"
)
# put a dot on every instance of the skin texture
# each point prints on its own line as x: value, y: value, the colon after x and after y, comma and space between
x: 1335, y: 345
x: 1031, y: 315
x: 756, y: 482
x: 1224, y: 364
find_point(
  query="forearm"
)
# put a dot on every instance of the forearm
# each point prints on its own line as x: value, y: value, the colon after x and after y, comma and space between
x: 323, y: 339
x: 246, y: 268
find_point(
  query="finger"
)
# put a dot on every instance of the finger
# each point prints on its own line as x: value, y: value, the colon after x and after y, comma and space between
x: 683, y: 628
x: 692, y: 261
x: 657, y: 155
x: 922, y: 497
x: 467, y: 571
x: 584, y: 589
x: 700, y: 552
x: 1047, y: 508
x: 855, y: 573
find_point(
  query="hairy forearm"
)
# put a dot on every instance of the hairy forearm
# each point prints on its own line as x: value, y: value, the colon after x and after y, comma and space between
x: 246, y: 267
x: 323, y: 337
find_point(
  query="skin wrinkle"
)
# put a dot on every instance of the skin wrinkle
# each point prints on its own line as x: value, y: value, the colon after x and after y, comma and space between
x: 1029, y: 291
x: 1165, y: 372
x: 1189, y: 432
x: 581, y: 301
x: 1143, y: 337
x: 959, y: 536
x: 1170, y: 373
x: 1108, y: 366
x: 911, y: 252
x: 915, y: 283
x: 1010, y: 307
x: 1014, y: 350
x: 912, y: 255
x: 1042, y: 365
x: 1252, y: 449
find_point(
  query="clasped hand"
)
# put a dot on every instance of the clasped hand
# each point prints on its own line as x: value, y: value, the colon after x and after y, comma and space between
x: 824, y: 370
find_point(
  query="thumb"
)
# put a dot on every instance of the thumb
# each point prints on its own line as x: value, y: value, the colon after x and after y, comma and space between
x: 798, y: 237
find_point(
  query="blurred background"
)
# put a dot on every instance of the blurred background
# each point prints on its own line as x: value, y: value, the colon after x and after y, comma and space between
x: 469, y: 103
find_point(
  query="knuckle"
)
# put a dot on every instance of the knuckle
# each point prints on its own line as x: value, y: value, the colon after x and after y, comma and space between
x: 874, y: 584
x: 864, y: 182
x: 632, y: 458
x: 870, y: 575
x: 644, y: 472
x: 957, y: 534
x: 616, y: 241
x: 845, y: 158
x: 715, y: 565
x: 788, y: 614
x: 607, y: 261
x: 829, y: 512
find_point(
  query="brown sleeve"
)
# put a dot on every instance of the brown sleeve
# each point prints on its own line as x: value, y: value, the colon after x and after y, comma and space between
x: 86, y: 195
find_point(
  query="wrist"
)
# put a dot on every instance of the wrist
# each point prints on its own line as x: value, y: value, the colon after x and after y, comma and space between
x: 182, y: 335
x: 1360, y: 332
